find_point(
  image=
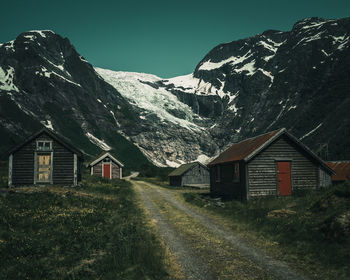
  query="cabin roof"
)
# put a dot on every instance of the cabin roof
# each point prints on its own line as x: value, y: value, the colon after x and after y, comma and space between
x: 59, y: 138
x: 104, y: 155
x: 341, y: 168
x: 249, y: 148
x: 182, y: 169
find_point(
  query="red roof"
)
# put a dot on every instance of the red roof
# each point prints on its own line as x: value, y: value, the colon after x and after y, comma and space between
x: 243, y: 149
x: 341, y: 168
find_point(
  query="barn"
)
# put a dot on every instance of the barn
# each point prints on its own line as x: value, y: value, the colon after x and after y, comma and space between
x: 45, y: 158
x: 275, y: 163
x: 107, y: 166
x: 342, y: 171
x: 190, y: 174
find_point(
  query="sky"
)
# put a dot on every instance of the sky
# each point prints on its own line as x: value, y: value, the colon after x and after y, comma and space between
x: 165, y: 38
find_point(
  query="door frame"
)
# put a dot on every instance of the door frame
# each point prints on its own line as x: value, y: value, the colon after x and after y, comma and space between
x: 291, y: 177
x: 36, y: 154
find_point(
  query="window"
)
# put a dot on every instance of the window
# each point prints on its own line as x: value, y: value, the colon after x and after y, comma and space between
x: 44, y: 145
x: 217, y: 173
x: 107, y: 160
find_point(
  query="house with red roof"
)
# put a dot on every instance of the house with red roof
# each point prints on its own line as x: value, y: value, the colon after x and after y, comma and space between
x: 274, y: 163
x: 342, y: 170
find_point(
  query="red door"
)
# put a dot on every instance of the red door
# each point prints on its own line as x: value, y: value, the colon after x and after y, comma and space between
x: 284, y: 180
x: 107, y: 171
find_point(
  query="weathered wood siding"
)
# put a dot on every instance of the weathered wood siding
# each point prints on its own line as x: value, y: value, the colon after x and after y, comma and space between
x: 23, y: 165
x: 63, y: 165
x: 115, y: 171
x: 262, y: 170
x: 325, y: 179
x: 228, y: 185
x: 196, y: 175
x: 97, y: 169
x: 24, y: 159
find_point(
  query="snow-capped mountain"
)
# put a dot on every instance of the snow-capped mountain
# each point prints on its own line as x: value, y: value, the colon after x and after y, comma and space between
x: 298, y: 79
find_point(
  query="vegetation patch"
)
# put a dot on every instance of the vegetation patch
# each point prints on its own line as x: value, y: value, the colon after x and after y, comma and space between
x: 311, y: 229
x: 95, y: 231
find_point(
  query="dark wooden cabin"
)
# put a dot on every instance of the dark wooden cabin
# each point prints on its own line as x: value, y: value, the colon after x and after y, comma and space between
x: 45, y: 158
x: 342, y: 171
x: 107, y: 166
x: 275, y: 163
x: 189, y: 174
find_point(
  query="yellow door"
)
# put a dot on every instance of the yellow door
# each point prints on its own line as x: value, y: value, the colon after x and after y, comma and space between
x: 44, y: 168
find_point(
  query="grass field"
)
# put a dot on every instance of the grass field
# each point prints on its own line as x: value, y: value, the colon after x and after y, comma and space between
x: 310, y: 230
x: 95, y: 231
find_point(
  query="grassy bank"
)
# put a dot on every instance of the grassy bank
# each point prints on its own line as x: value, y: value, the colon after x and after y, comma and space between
x: 310, y: 230
x: 95, y: 231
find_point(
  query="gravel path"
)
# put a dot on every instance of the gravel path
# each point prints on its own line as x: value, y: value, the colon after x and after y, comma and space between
x: 191, y: 264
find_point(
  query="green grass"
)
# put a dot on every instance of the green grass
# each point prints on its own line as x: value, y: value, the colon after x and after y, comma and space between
x: 95, y: 231
x: 311, y: 229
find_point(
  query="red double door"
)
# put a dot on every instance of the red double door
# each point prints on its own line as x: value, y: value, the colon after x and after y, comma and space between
x: 107, y: 171
x: 284, y: 178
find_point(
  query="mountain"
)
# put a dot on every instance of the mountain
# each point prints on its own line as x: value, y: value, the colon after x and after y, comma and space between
x: 299, y: 79
x: 44, y: 81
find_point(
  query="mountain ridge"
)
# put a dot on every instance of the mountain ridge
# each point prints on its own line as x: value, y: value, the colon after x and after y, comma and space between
x: 296, y: 79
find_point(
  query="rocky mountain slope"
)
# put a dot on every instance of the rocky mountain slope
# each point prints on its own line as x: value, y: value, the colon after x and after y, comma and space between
x: 298, y: 79
x: 44, y: 81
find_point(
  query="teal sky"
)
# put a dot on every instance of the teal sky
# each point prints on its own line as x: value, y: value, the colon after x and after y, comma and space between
x: 165, y: 38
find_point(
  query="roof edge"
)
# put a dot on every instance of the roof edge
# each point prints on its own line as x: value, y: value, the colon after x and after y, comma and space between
x: 265, y: 144
x: 104, y: 156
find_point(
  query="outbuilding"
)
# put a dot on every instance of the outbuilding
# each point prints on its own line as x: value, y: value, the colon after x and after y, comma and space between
x: 342, y: 171
x: 190, y: 174
x: 107, y: 166
x: 275, y: 163
x: 45, y: 158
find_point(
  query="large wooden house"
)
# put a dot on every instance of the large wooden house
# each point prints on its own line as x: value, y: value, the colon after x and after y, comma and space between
x: 189, y: 174
x: 275, y: 163
x: 107, y: 166
x: 342, y: 171
x: 45, y: 158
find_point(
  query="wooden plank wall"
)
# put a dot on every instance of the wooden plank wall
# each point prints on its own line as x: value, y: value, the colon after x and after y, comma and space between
x: 227, y: 186
x: 262, y: 170
x: 196, y: 175
x: 115, y: 171
x: 23, y: 163
x: 63, y: 165
x: 98, y: 169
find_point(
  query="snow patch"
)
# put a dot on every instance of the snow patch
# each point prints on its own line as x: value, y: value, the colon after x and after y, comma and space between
x: 204, y: 159
x: 47, y: 124
x: 9, y: 46
x: 98, y: 142
x: 249, y: 67
x: 42, y: 32
x: 6, y: 79
x: 233, y: 60
x: 310, y: 132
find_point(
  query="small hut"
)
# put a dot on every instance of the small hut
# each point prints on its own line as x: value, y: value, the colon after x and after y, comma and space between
x: 107, y: 166
x: 45, y: 158
x: 190, y: 174
x: 342, y: 171
x: 275, y: 163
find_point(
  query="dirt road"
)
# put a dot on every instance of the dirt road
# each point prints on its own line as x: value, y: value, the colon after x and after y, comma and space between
x: 202, y: 247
